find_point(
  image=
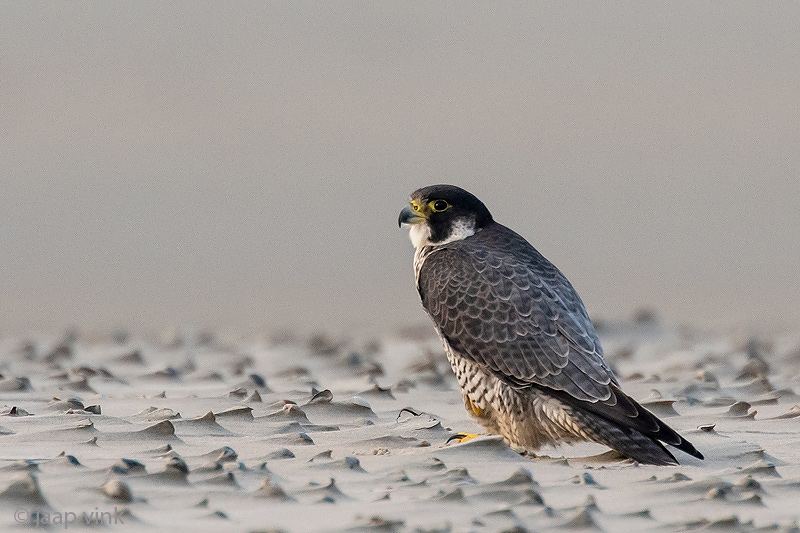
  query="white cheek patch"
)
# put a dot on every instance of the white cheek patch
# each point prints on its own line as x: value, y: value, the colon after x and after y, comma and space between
x: 419, y: 235
x: 462, y: 228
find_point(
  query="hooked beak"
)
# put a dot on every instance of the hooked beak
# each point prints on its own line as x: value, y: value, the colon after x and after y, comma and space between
x: 408, y: 216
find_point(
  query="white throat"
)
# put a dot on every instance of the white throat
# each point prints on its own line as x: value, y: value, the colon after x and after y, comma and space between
x: 420, y: 234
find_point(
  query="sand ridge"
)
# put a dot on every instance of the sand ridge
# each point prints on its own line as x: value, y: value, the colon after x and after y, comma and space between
x: 240, y: 435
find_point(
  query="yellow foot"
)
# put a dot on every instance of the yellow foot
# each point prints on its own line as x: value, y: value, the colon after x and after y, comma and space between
x: 462, y: 437
x: 474, y: 407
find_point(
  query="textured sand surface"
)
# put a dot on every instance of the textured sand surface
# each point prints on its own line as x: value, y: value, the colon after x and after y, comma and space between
x: 313, y: 436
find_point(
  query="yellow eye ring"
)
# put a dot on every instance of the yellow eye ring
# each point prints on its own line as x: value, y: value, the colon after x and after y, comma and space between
x: 437, y: 206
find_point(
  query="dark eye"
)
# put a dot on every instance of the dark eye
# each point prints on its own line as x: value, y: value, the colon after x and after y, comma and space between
x: 440, y: 205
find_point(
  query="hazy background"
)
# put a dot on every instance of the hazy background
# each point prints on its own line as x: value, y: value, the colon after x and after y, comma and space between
x: 242, y: 164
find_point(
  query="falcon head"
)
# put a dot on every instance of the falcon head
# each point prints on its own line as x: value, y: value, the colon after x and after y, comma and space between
x: 439, y: 214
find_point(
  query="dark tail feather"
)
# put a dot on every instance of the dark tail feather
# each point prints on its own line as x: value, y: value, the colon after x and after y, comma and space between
x: 632, y: 430
x: 626, y: 441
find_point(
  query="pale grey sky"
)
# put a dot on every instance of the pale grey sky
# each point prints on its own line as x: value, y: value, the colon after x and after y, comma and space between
x: 242, y: 164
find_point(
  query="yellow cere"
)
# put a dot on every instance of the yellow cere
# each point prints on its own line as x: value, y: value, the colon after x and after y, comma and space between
x: 420, y: 209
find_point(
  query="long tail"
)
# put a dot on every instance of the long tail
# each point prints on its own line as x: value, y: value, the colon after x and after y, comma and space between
x: 627, y: 427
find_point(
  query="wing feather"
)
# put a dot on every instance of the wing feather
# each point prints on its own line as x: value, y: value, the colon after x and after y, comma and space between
x: 501, y: 304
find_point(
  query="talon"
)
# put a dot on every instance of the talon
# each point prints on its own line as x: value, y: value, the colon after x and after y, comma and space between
x: 462, y: 437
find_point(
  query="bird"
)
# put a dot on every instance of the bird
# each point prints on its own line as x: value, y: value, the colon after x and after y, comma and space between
x: 527, y: 358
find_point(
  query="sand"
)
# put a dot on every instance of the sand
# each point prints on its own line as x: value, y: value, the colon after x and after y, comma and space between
x: 332, y: 435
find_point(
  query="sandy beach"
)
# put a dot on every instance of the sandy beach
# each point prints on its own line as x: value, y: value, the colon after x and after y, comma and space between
x: 328, y: 434
x: 210, y: 194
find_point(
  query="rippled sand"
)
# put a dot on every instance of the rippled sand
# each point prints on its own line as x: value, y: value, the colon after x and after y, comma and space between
x: 313, y: 436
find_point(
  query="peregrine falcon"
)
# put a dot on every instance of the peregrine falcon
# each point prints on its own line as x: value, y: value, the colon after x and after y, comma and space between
x: 526, y: 356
